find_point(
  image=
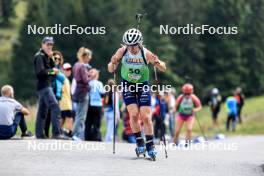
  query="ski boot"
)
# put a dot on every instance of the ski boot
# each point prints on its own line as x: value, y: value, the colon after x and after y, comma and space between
x: 152, y: 153
x: 177, y: 144
x: 140, y: 150
x: 188, y: 143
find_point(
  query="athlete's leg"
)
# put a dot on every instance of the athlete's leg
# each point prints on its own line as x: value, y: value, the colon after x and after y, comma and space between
x: 178, y: 125
x: 134, y: 123
x: 189, y: 125
x: 145, y: 114
x: 134, y: 116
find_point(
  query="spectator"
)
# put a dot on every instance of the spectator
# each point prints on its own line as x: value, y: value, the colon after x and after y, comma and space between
x: 170, y: 98
x: 73, y: 87
x: 60, y: 77
x: 215, y: 104
x: 231, y: 105
x: 109, y: 110
x: 57, y: 83
x: 93, y: 119
x: 11, y: 115
x: 67, y: 114
x: 81, y: 96
x: 159, y: 116
x: 45, y: 71
x: 240, y: 102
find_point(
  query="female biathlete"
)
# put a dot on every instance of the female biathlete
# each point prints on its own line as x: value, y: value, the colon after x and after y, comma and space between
x: 187, y: 104
x: 135, y: 86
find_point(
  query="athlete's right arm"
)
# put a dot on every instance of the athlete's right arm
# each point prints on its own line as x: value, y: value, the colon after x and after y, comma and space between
x: 178, y: 100
x: 116, y: 59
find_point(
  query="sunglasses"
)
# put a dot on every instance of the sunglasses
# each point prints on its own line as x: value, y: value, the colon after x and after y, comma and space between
x: 68, y: 69
x: 57, y: 57
x: 49, y: 44
x: 133, y: 45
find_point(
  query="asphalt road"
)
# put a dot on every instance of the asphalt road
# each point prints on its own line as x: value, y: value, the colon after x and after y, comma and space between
x: 243, y: 156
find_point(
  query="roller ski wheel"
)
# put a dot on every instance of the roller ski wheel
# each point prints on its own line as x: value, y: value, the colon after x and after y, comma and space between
x: 153, y: 158
x: 188, y: 143
x: 152, y: 154
x: 140, y: 151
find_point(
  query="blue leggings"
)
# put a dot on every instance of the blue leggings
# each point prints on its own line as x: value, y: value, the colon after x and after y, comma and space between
x: 8, y: 131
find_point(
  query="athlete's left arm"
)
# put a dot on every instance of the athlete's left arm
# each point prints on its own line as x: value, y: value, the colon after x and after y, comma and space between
x: 197, y: 103
x: 152, y: 58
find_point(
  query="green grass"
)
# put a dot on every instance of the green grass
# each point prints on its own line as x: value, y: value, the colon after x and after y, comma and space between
x: 31, y: 119
x: 253, y: 115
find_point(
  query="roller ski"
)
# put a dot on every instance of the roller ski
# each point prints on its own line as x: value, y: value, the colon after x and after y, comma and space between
x: 188, y: 143
x: 152, y: 153
x: 140, y: 151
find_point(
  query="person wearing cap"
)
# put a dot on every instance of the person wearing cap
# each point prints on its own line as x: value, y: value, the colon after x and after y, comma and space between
x: 215, y: 105
x: 80, y: 95
x: 57, y: 83
x: 93, y: 118
x: 45, y: 72
x: 11, y: 115
x: 67, y: 114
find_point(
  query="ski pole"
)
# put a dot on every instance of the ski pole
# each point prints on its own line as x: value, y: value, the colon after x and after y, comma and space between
x: 139, y: 17
x: 201, y: 128
x: 163, y: 135
x: 114, y: 124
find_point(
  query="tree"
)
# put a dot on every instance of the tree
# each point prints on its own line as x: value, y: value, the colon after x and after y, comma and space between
x: 223, y: 61
x: 6, y: 11
x: 22, y: 62
x: 252, y: 43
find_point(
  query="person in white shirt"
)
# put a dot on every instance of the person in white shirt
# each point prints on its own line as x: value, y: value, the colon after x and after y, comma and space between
x: 93, y: 119
x: 11, y: 115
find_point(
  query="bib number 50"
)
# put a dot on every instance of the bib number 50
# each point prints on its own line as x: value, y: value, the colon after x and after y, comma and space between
x: 136, y: 71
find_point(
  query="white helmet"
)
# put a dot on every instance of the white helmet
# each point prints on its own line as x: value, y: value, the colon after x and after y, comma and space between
x: 132, y: 36
x: 215, y: 91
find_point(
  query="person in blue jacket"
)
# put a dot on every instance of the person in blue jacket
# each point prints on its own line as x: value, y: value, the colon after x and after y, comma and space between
x: 93, y: 119
x: 231, y: 105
